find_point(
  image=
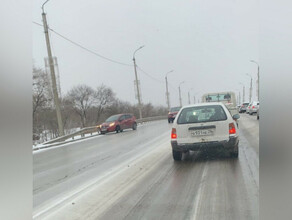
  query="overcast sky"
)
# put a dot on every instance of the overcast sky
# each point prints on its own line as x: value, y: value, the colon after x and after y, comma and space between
x: 208, y: 44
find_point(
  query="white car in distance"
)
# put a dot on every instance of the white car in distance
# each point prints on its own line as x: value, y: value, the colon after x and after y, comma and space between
x: 204, y: 126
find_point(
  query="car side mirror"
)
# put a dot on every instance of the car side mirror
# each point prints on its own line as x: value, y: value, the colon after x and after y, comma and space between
x: 236, y: 116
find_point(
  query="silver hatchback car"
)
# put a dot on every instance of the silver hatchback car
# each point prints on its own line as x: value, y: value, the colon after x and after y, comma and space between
x: 253, y: 107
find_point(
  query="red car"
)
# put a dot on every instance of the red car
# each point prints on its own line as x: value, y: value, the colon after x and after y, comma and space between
x: 172, y: 113
x: 118, y: 123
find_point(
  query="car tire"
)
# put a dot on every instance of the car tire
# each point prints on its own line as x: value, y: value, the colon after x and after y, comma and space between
x: 134, y: 127
x: 177, y: 155
x: 118, y: 129
x: 258, y: 117
x: 234, y: 152
x: 102, y: 132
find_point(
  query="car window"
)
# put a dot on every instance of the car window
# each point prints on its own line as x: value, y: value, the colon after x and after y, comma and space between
x: 200, y: 114
x: 122, y: 117
x: 112, y: 118
x: 128, y: 116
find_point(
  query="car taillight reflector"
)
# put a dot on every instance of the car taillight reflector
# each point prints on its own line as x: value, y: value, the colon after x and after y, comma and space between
x: 232, y: 129
x: 173, y: 133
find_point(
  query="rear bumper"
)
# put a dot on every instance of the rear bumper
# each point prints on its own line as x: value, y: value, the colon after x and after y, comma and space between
x: 228, y: 144
x: 254, y: 111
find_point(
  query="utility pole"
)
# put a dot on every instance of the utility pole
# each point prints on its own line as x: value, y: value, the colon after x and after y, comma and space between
x: 137, y: 84
x: 52, y: 70
x: 167, y: 93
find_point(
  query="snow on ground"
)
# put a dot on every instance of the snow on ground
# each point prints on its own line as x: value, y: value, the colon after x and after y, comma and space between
x: 43, y: 147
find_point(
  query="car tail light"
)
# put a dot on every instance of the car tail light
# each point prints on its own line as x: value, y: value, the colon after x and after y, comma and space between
x: 253, y: 106
x: 232, y: 129
x: 173, y: 134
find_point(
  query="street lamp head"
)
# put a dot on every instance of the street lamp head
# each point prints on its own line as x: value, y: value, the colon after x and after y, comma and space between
x: 168, y: 73
x: 44, y: 5
x: 182, y: 83
x: 253, y: 61
x: 137, y: 50
x: 249, y: 75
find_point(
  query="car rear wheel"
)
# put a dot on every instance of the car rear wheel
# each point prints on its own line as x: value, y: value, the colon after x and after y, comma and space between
x: 234, y: 152
x: 134, y: 126
x: 177, y: 155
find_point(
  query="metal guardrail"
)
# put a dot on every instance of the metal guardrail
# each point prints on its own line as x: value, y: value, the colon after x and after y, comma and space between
x: 93, y: 129
x: 82, y: 132
x: 151, y: 119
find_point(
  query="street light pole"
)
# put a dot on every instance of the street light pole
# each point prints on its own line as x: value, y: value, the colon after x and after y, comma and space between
x: 258, y: 81
x: 243, y: 92
x: 52, y: 71
x: 137, y: 84
x: 189, y: 96
x: 250, y: 88
x: 180, y: 100
x: 167, y: 93
x: 239, y: 98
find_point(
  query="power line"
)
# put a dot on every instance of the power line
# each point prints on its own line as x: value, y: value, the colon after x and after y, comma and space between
x: 157, y: 80
x: 84, y: 48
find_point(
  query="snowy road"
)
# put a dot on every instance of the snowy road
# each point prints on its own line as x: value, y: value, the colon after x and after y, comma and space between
x: 132, y: 175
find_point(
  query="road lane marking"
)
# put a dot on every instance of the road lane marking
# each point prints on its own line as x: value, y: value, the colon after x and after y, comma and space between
x: 198, y: 198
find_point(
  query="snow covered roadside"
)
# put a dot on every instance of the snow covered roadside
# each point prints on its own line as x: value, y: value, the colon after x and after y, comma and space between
x: 43, y: 147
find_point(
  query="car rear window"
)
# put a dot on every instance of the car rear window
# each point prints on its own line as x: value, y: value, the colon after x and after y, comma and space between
x: 198, y: 114
x: 175, y: 109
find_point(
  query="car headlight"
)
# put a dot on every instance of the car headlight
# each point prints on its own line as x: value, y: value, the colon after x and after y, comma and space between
x: 111, y: 124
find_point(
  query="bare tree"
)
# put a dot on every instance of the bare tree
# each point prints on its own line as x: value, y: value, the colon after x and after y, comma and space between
x: 82, y: 97
x: 40, y: 89
x: 41, y: 100
x: 103, y: 97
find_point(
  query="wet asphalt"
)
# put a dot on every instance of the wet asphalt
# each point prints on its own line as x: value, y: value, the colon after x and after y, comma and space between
x: 132, y: 175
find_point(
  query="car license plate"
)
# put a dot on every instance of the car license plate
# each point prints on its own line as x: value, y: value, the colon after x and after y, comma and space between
x: 103, y: 129
x: 201, y: 132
